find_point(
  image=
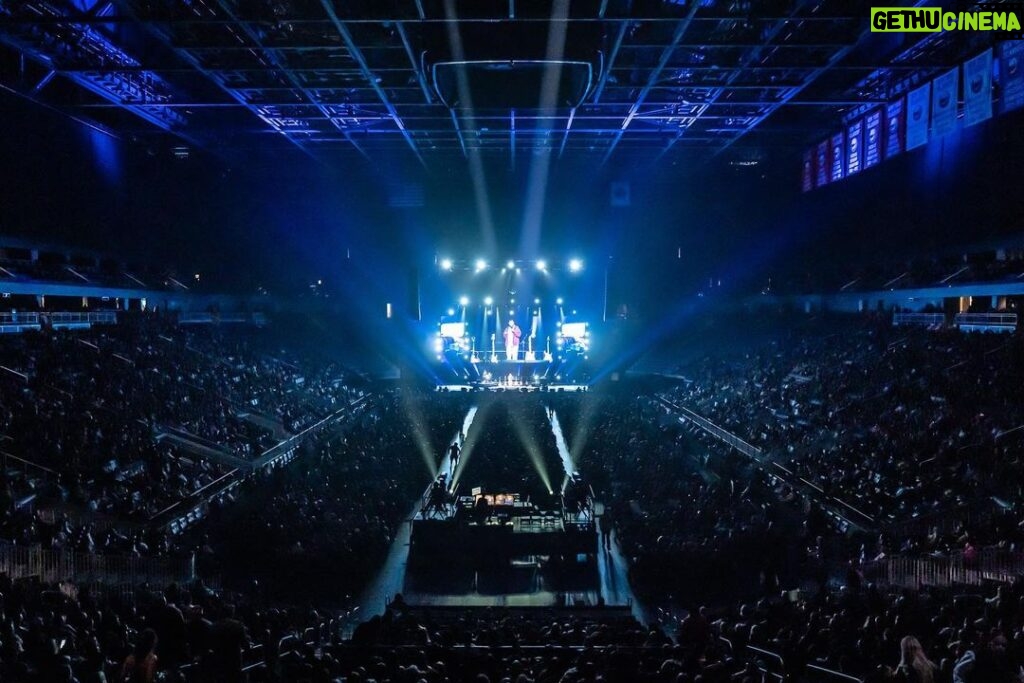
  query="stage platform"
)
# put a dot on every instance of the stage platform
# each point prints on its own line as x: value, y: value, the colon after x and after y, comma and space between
x: 504, y: 386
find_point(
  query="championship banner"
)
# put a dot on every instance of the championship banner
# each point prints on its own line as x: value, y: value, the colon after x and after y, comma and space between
x: 807, y: 179
x: 1011, y: 74
x: 944, y: 102
x: 918, y: 104
x: 895, y: 116
x: 854, y: 147
x: 872, y: 138
x: 821, y: 164
x: 978, y: 88
x: 836, y: 150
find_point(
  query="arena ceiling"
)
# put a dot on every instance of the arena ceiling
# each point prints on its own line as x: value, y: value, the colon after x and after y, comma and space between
x: 423, y: 79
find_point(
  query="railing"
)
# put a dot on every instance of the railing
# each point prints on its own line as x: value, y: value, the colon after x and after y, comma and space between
x: 18, y: 322
x: 52, y: 566
x: 922, y: 319
x: 778, y: 671
x: 986, y: 566
x: 284, y: 452
x: 14, y: 318
x: 990, y: 322
x: 200, y: 317
x: 182, y: 514
x: 26, y: 466
x: 773, y: 469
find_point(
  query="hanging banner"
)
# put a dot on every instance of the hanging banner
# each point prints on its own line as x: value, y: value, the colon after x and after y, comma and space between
x: 918, y: 102
x: 836, y: 150
x: 978, y: 88
x: 872, y: 138
x: 944, y: 102
x: 807, y: 179
x: 1011, y: 74
x: 821, y: 164
x: 895, y: 116
x: 854, y: 147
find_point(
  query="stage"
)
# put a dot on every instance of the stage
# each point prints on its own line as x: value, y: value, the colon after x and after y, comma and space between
x: 511, y: 375
x: 504, y: 386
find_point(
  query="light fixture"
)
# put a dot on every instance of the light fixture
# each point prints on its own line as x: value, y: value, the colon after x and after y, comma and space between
x: 575, y: 265
x: 558, y: 301
x: 480, y: 265
x: 542, y: 265
x: 464, y: 301
x: 511, y: 264
x: 446, y: 264
x: 536, y: 301
x: 488, y: 301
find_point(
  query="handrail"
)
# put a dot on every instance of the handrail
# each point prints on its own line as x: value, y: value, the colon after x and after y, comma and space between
x: 10, y: 456
x: 836, y: 674
x: 758, y: 456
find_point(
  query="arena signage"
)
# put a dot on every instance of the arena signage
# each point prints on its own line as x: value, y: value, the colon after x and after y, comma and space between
x: 1003, y: 20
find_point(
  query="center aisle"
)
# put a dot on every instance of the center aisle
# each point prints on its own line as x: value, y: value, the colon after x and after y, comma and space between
x: 391, y: 577
x: 611, y: 566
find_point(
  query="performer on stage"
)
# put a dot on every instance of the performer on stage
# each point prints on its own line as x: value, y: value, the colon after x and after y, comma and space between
x: 512, y: 335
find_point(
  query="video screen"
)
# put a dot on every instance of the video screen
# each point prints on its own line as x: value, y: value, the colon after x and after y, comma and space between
x: 574, y: 330
x: 453, y: 330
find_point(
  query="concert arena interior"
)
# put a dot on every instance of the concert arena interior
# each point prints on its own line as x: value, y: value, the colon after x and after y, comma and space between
x: 511, y: 341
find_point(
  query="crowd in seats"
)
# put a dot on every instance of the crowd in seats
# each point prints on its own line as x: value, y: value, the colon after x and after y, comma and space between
x: 900, y: 423
x: 120, y: 423
x: 975, y: 266
x: 68, y: 634
x: 684, y: 519
x: 908, y: 425
x: 325, y: 523
x: 510, y: 449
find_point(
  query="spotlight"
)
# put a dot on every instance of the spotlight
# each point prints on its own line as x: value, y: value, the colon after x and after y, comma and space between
x: 536, y: 301
x: 558, y: 301
x: 575, y: 265
x: 488, y: 301
x: 464, y: 301
x: 511, y: 264
x: 451, y: 311
x: 480, y: 265
x: 446, y: 264
x: 542, y: 265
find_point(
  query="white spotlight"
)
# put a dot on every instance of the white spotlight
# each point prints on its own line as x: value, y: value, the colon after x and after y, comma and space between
x: 511, y: 264
x: 558, y: 301
x: 464, y: 301
x: 480, y: 265
x: 488, y: 301
x: 451, y: 311
x: 446, y: 264
x: 536, y: 301
x: 542, y: 265
x: 575, y: 265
